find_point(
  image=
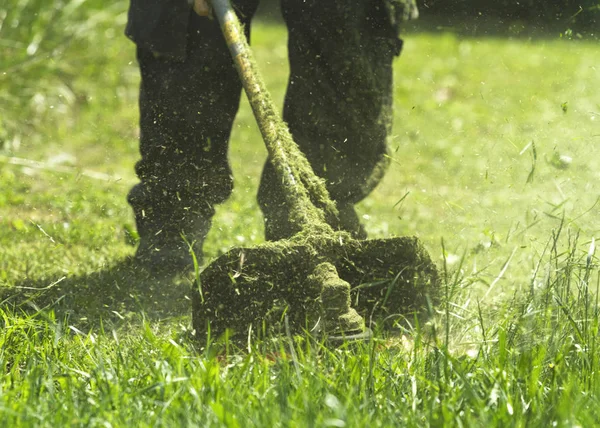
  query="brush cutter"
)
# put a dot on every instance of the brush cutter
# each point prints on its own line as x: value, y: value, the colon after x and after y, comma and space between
x: 321, y: 279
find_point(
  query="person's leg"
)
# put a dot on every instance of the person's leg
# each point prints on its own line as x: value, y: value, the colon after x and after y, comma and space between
x: 186, y: 113
x: 339, y: 102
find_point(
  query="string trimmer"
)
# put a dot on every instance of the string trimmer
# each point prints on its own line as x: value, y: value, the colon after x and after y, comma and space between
x: 305, y: 279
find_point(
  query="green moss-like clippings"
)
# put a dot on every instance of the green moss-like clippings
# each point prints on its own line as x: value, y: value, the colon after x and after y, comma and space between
x: 335, y: 292
x: 336, y: 314
x: 349, y: 322
x: 386, y: 277
x: 306, y: 194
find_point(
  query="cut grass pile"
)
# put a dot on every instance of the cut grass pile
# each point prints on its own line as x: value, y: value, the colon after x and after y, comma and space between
x: 493, y: 153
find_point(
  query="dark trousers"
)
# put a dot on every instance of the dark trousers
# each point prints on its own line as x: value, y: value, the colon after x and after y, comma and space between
x: 338, y: 107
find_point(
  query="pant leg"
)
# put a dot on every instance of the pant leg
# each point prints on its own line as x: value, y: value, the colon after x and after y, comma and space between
x: 339, y: 98
x: 187, y: 110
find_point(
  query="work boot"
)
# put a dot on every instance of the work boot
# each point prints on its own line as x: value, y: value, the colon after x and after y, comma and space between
x: 350, y: 222
x: 168, y: 234
x: 170, y: 249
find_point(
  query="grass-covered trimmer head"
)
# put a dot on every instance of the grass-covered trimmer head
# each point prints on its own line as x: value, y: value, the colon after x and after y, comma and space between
x: 316, y: 285
x: 320, y: 279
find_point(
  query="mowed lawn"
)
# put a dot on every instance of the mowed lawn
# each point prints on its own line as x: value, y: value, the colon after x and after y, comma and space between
x: 493, y: 165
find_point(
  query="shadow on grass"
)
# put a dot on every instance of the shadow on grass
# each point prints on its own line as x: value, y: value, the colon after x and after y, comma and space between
x: 117, y: 295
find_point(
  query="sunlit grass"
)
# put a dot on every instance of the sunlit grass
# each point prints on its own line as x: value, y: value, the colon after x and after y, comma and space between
x: 480, y: 128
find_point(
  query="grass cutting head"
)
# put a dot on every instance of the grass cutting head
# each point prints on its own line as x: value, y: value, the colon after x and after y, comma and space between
x: 327, y: 285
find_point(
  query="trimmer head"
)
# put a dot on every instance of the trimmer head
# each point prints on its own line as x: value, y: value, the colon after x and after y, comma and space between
x: 314, y: 283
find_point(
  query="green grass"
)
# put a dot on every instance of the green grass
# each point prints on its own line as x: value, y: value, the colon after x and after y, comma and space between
x: 480, y: 126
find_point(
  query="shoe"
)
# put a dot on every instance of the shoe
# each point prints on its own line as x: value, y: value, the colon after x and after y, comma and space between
x: 350, y: 223
x: 170, y: 236
x: 170, y: 254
